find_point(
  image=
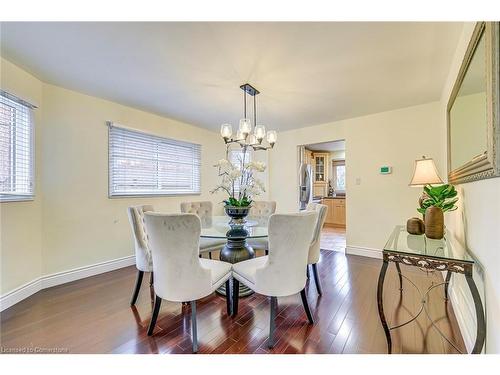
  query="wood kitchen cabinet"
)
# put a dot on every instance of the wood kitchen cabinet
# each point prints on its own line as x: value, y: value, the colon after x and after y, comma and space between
x: 320, y: 167
x: 336, y: 211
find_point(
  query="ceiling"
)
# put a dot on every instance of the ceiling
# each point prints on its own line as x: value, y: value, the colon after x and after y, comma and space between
x: 327, y: 146
x: 308, y: 73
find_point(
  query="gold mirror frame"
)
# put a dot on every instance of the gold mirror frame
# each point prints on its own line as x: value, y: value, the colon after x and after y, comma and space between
x: 488, y: 164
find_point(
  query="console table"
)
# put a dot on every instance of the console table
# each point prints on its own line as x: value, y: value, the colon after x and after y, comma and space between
x: 428, y: 254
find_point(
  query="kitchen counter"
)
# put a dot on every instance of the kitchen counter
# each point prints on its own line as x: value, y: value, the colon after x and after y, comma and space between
x: 337, y: 197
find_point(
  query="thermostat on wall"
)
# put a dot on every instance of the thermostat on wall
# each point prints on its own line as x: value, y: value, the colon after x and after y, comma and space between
x: 385, y: 170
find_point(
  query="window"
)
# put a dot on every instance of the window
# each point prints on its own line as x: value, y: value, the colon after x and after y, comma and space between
x: 235, y: 157
x: 145, y: 164
x: 16, y: 148
x: 339, y: 175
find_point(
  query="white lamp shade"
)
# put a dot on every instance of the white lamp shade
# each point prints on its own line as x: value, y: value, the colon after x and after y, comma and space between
x: 425, y: 172
x: 260, y: 132
x: 272, y: 136
x: 245, y: 125
x: 226, y: 130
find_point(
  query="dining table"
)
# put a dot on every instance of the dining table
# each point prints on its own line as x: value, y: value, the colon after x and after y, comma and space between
x: 236, y: 234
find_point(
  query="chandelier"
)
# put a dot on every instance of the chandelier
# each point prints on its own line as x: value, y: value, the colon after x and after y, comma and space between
x: 248, y: 135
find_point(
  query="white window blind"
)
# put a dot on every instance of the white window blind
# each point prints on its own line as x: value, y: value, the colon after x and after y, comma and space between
x: 145, y: 164
x: 16, y: 148
x: 236, y: 156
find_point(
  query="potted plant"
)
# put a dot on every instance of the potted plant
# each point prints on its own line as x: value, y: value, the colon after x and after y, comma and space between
x: 435, y: 201
x: 240, y: 184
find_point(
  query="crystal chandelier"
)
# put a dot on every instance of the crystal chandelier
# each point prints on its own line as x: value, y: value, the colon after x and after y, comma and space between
x: 246, y: 136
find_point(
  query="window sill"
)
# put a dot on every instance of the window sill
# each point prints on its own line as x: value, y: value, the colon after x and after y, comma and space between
x: 118, y: 196
x: 16, y: 199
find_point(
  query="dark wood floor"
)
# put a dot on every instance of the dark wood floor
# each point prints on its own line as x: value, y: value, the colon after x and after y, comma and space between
x: 93, y: 316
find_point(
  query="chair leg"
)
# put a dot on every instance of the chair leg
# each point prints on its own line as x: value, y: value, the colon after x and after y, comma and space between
x: 209, y: 255
x: 272, y: 326
x: 138, y: 282
x: 151, y: 278
x: 194, y: 328
x: 266, y: 252
x: 236, y: 296
x: 306, y: 306
x: 154, y: 317
x: 228, y: 297
x: 307, y: 271
x: 316, y: 278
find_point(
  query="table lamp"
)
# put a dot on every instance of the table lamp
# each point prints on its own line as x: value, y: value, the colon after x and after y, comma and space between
x: 424, y: 173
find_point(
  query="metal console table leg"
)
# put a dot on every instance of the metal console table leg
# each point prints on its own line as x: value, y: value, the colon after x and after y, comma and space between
x: 380, y: 303
x: 481, y: 324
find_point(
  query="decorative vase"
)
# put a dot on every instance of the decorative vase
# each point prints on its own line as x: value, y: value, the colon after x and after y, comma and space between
x: 237, y: 214
x: 434, y: 223
x: 415, y: 226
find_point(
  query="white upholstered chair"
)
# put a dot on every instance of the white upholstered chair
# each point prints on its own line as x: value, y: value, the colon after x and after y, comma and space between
x: 283, y: 271
x: 314, y: 249
x: 143, y: 260
x: 204, y: 210
x: 180, y: 275
x: 261, y: 210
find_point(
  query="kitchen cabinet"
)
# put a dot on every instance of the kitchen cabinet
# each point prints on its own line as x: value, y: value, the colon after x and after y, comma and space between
x: 320, y: 168
x: 336, y: 211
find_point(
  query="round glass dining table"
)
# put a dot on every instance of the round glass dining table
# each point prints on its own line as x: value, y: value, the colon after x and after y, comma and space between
x: 236, y: 248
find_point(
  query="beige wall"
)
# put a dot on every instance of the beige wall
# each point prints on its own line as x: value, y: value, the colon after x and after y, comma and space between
x: 81, y: 225
x: 20, y: 222
x: 379, y: 202
x: 476, y: 227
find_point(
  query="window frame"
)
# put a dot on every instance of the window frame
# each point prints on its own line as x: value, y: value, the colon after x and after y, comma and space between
x: 31, y: 108
x: 112, y: 195
x: 337, y: 163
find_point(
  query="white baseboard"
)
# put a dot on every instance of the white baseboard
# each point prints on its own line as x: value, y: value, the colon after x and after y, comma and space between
x: 364, y: 251
x: 24, y: 291
x: 465, y: 317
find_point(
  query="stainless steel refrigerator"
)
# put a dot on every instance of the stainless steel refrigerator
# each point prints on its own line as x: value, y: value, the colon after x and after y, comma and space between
x: 305, y: 185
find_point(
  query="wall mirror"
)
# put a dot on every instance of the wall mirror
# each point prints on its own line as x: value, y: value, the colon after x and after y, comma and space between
x: 472, y: 112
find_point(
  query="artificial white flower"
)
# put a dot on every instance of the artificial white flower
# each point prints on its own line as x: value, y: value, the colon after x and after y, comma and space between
x: 235, y: 174
x: 260, y: 184
x: 258, y: 166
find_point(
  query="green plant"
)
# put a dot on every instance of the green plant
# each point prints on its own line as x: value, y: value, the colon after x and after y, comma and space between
x: 444, y: 197
x: 243, y: 202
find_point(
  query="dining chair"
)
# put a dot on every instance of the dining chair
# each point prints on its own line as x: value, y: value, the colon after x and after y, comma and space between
x: 180, y: 275
x: 261, y: 211
x: 143, y: 260
x: 315, y: 249
x: 204, y: 210
x: 282, y: 272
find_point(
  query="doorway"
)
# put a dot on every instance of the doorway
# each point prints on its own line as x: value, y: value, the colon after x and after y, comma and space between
x: 326, y: 163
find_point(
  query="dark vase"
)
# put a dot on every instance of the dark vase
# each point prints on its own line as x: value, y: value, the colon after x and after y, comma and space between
x: 237, y: 214
x: 415, y: 226
x: 434, y: 223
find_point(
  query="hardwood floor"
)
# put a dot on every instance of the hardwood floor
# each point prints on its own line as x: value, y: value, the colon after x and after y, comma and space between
x: 93, y: 316
x: 333, y: 238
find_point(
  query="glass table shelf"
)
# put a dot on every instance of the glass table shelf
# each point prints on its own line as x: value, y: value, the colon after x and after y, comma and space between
x: 400, y: 241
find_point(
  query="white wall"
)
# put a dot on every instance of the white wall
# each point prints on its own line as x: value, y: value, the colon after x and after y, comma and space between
x: 379, y: 202
x: 476, y: 227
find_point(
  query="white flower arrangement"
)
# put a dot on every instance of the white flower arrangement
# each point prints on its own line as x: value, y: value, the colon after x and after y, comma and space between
x: 242, y: 173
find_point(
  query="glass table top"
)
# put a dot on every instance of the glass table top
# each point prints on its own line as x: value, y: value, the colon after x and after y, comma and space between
x: 219, y: 226
x: 403, y: 242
